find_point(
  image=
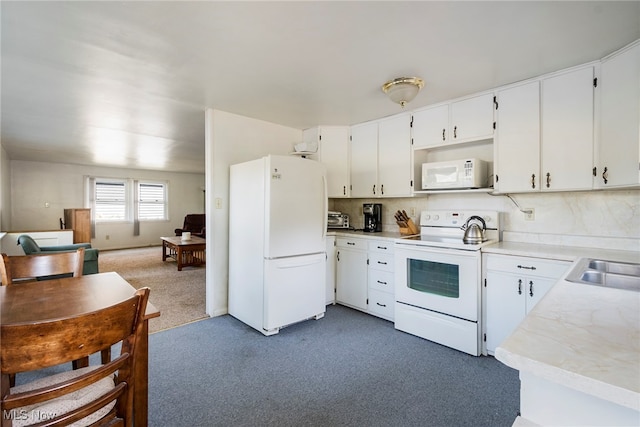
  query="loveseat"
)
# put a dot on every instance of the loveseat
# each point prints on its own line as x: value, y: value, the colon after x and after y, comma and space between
x: 90, y: 266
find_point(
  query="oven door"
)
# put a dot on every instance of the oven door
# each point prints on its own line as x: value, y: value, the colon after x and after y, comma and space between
x: 443, y: 280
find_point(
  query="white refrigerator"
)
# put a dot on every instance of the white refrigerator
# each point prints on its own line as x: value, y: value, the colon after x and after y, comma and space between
x: 277, y: 251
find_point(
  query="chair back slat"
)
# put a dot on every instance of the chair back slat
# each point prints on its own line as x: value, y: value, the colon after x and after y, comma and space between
x: 13, y: 268
x: 65, y: 339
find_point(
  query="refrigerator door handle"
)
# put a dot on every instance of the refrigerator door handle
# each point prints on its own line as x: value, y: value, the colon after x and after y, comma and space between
x: 297, y: 263
x: 326, y: 207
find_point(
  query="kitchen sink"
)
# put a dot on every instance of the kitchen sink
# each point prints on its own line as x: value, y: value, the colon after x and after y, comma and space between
x: 610, y: 274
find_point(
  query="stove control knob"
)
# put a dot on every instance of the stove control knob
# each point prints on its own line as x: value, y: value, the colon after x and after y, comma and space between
x: 427, y: 217
x: 487, y: 218
x: 436, y: 217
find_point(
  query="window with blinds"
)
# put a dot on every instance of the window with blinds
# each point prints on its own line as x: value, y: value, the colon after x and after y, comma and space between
x: 152, y: 201
x: 110, y: 201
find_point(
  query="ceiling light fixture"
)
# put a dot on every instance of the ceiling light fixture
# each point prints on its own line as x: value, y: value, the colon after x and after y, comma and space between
x: 403, y: 89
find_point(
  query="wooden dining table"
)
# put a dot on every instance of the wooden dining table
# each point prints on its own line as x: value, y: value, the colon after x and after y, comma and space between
x: 62, y: 298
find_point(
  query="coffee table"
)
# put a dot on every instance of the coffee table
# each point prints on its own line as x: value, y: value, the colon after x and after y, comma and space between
x: 186, y: 252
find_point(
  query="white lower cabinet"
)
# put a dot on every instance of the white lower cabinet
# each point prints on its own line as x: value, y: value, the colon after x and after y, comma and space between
x: 351, y: 272
x: 364, y: 275
x: 513, y: 286
x: 331, y: 270
x: 381, y: 279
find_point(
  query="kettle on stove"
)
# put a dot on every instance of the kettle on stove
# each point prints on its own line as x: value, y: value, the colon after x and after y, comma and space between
x: 473, y: 234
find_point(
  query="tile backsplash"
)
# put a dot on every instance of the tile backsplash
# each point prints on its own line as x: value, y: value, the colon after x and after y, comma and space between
x: 581, y: 218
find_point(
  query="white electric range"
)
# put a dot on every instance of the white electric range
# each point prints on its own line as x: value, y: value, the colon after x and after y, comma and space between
x: 438, y: 278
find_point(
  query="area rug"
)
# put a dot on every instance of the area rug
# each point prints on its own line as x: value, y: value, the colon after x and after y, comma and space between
x: 179, y: 295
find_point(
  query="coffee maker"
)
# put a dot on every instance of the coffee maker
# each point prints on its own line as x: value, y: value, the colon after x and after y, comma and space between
x: 372, y: 216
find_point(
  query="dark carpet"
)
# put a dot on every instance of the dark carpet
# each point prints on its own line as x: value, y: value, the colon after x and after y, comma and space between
x: 346, y: 369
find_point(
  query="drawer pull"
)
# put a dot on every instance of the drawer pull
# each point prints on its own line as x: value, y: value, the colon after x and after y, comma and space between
x: 519, y: 286
x: 353, y: 244
x: 381, y: 305
x: 382, y: 247
x: 382, y: 283
x: 383, y: 263
x: 527, y: 268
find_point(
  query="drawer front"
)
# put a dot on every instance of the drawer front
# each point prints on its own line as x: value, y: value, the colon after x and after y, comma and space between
x: 380, y: 261
x: 381, y: 281
x: 382, y: 246
x: 527, y: 266
x: 381, y: 304
x: 347, y: 242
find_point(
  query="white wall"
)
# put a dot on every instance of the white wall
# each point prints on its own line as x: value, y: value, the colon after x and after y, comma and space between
x: 5, y: 190
x: 232, y: 139
x: 613, y: 215
x: 62, y: 186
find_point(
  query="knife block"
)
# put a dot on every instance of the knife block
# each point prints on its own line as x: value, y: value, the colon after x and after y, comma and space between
x: 410, y: 230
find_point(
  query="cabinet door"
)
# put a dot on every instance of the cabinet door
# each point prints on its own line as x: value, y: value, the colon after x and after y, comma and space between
x: 472, y: 119
x: 394, y: 156
x: 331, y: 270
x: 567, y: 131
x: 430, y: 126
x: 505, y: 306
x: 537, y: 288
x: 364, y: 160
x: 334, y: 154
x: 517, y: 166
x: 618, y: 146
x: 351, y: 278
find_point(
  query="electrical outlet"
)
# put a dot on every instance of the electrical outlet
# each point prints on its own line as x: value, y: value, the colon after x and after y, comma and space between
x: 412, y: 212
x: 529, y: 214
x: 46, y: 204
x: 218, y: 203
x: 107, y: 237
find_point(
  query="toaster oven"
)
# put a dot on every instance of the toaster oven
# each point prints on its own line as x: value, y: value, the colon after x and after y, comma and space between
x: 337, y: 220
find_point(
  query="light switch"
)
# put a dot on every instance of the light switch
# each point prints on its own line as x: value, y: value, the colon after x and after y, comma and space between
x: 46, y: 204
x: 218, y: 203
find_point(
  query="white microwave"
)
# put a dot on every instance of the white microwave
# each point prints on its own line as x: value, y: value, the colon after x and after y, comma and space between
x: 454, y: 174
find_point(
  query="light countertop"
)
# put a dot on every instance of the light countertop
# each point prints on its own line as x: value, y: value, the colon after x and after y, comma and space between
x: 584, y: 337
x: 559, y: 252
x: 382, y: 235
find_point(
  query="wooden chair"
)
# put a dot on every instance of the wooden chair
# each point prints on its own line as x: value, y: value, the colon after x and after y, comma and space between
x: 97, y: 395
x: 41, y: 267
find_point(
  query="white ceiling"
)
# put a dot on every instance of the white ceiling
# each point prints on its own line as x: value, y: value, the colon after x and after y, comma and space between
x: 126, y: 83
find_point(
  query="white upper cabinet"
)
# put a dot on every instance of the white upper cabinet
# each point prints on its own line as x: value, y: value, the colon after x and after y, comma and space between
x: 567, y: 130
x: 333, y: 152
x: 394, y: 156
x: 472, y: 118
x: 430, y: 126
x: 618, y: 144
x: 469, y: 119
x: 517, y: 162
x: 364, y: 160
x: 381, y: 158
